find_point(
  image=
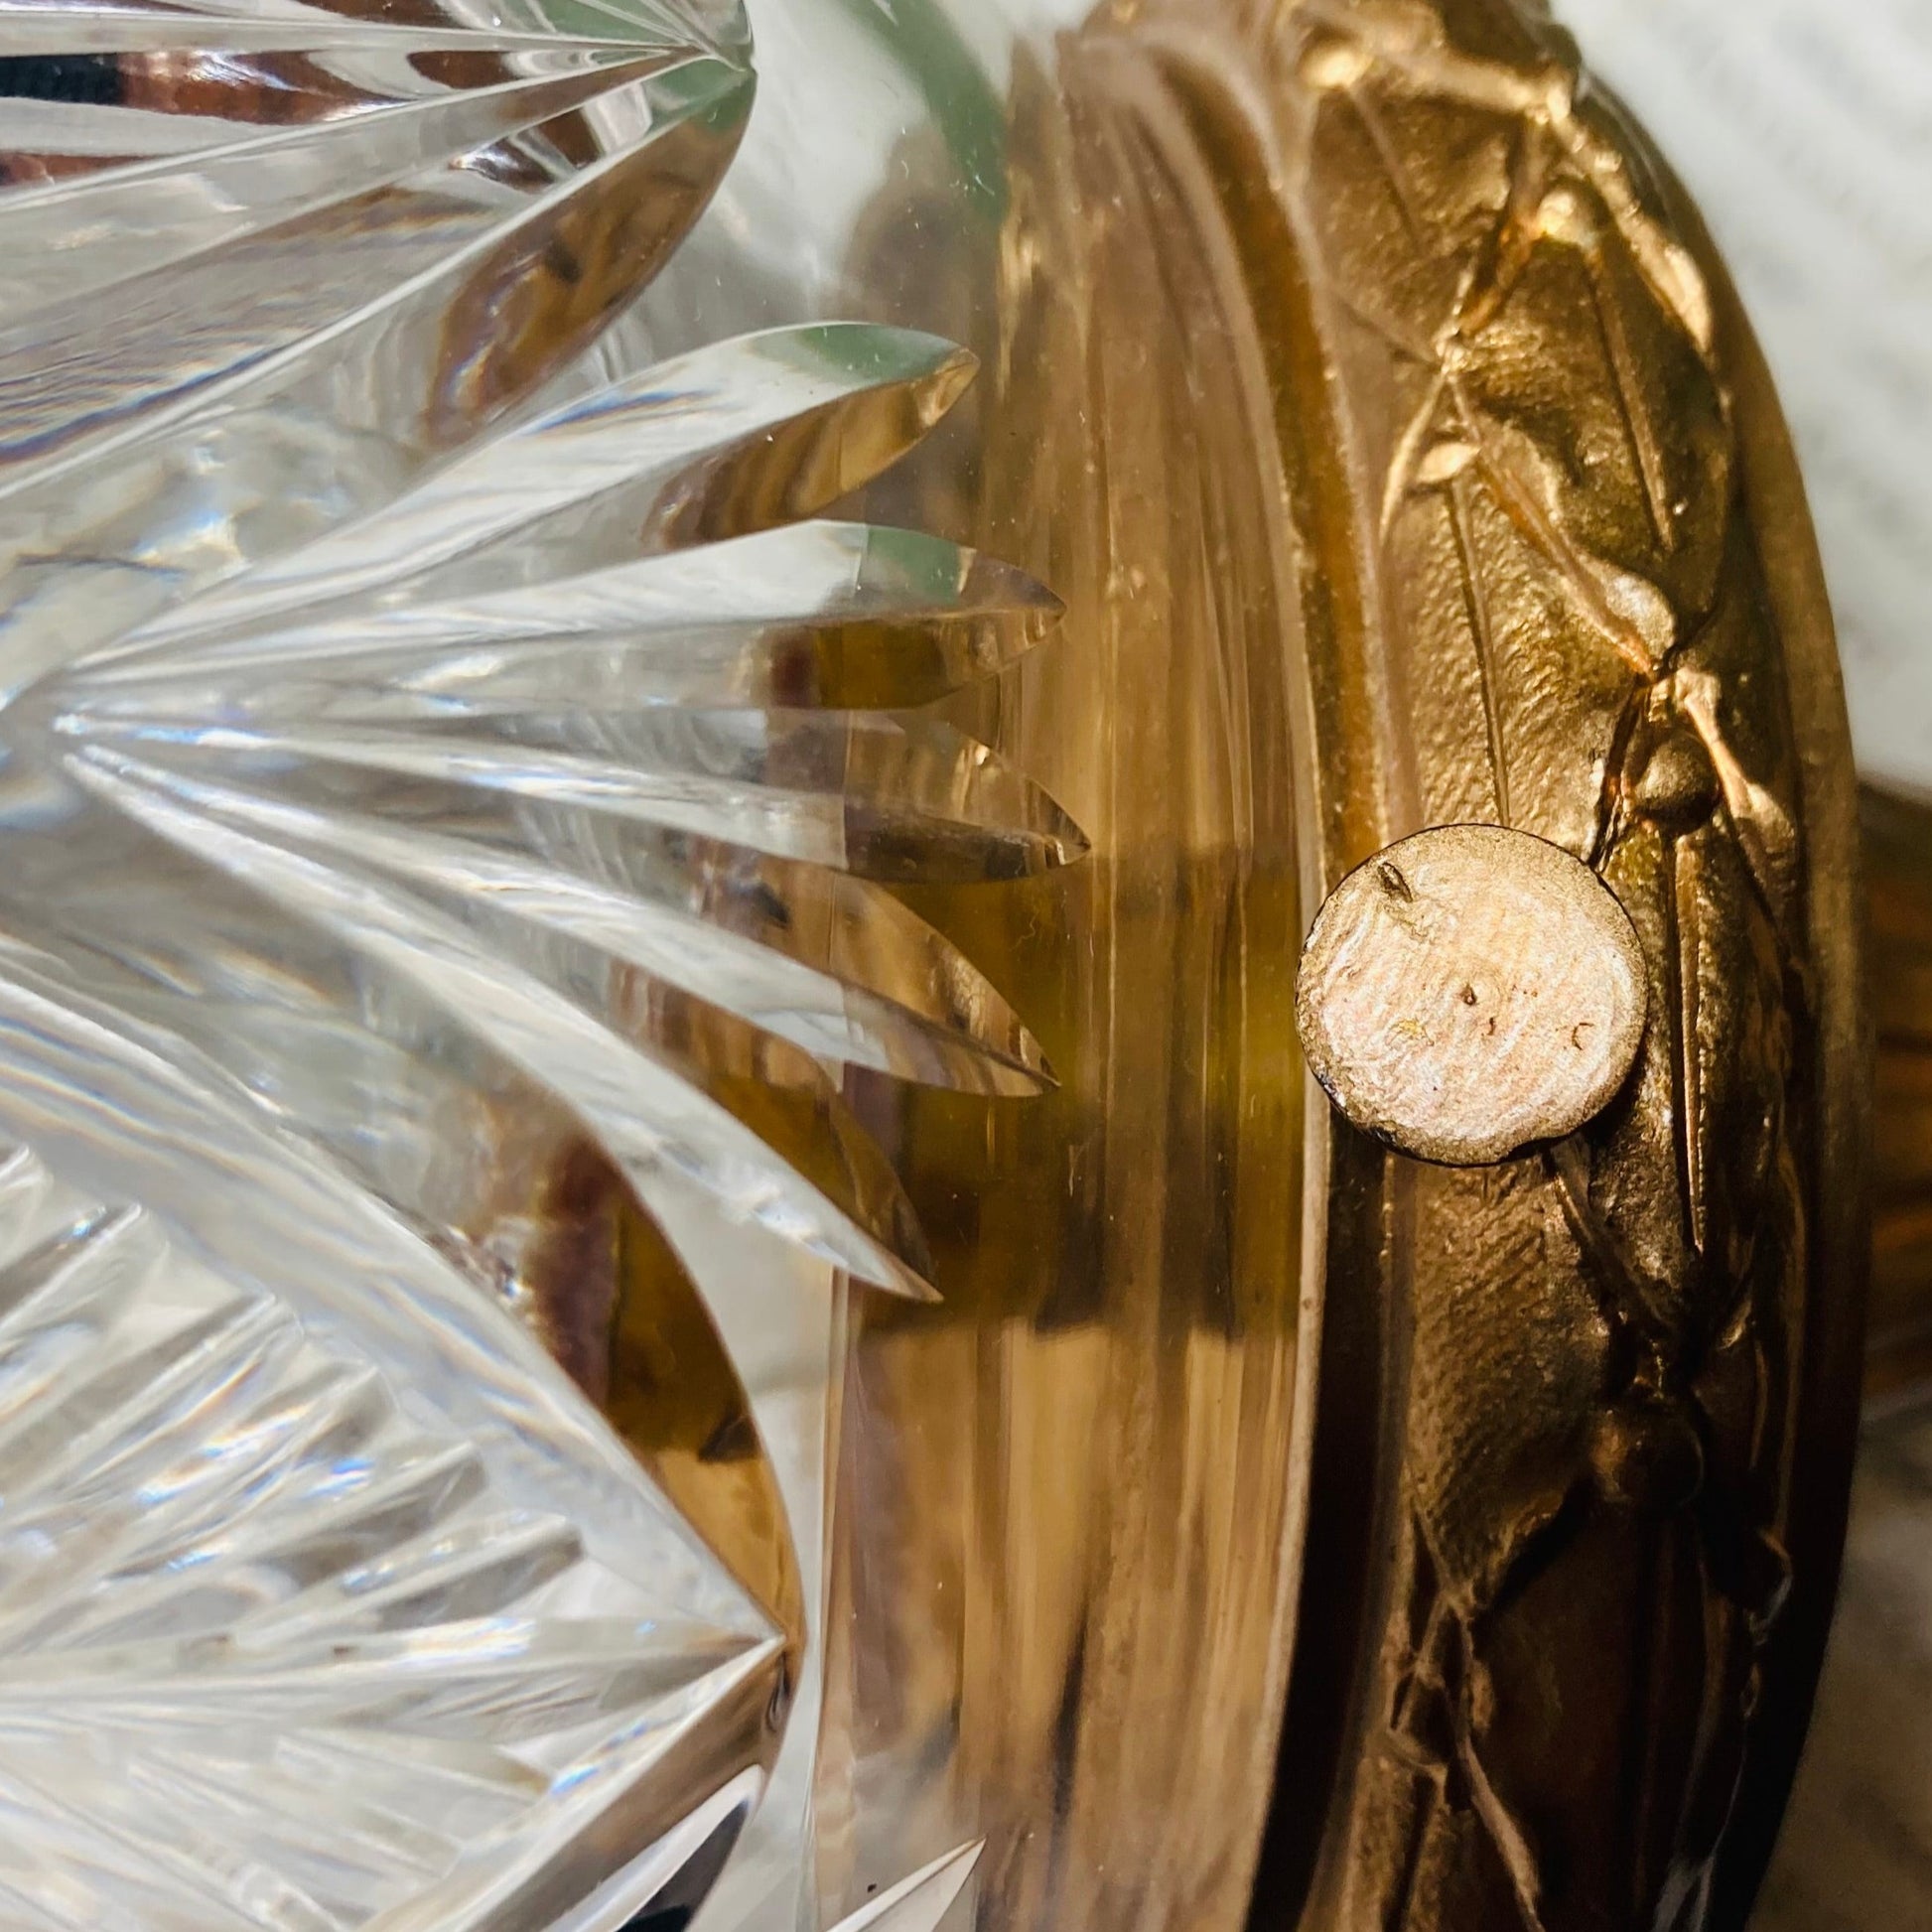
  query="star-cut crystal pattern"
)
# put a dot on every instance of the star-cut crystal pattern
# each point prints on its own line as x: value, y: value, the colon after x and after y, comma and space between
x: 450, y: 800
x: 276, y: 1650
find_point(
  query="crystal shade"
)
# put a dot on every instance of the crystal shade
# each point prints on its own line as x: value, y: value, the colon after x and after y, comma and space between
x: 448, y: 785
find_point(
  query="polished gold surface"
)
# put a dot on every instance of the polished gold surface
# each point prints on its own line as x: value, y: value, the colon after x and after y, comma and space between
x: 1062, y: 1566
x: 1378, y: 409
x: 1471, y: 993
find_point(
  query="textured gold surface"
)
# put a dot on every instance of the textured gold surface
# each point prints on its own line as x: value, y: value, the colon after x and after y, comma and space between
x: 1616, y: 1373
x: 1469, y: 993
x: 1381, y: 415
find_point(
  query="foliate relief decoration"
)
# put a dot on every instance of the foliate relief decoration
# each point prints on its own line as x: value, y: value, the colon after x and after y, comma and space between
x: 1601, y: 1373
x: 448, y: 831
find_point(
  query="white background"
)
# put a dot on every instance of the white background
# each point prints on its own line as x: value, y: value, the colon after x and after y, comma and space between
x: 1804, y: 127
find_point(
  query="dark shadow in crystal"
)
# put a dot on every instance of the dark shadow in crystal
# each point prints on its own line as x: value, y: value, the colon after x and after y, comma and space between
x: 673, y: 1908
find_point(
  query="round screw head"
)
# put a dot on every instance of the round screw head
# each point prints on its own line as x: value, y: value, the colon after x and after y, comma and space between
x: 1472, y: 992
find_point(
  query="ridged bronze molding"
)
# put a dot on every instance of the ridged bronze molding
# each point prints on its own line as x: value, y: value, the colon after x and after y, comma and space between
x: 1577, y: 1463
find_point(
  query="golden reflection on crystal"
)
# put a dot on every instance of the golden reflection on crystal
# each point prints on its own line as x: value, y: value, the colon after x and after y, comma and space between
x: 675, y: 1401
x: 543, y: 293
x: 1059, y: 1596
x: 613, y: 1303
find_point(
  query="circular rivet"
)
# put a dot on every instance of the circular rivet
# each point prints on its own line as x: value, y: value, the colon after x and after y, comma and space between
x: 1470, y: 991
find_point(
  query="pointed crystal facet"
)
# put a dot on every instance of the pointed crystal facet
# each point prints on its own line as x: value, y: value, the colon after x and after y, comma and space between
x: 917, y: 1903
x: 453, y: 791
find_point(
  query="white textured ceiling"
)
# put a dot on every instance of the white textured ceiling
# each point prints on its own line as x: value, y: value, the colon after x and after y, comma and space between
x: 1804, y: 129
